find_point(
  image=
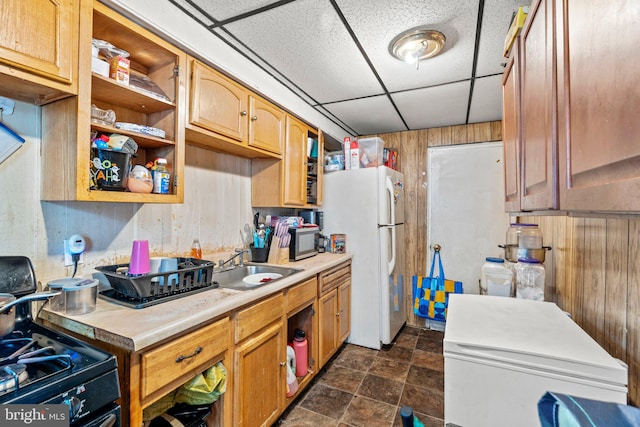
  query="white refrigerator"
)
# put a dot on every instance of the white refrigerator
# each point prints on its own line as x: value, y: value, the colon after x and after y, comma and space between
x: 502, y: 354
x: 367, y: 205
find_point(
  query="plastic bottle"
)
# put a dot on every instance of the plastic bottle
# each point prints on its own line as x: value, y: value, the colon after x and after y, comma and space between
x: 292, y: 381
x: 301, y: 348
x: 496, y: 278
x: 161, y: 177
x: 196, y: 250
x: 529, y: 279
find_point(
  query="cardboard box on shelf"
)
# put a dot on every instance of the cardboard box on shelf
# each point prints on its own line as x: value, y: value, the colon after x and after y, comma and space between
x: 119, y: 70
x: 517, y: 22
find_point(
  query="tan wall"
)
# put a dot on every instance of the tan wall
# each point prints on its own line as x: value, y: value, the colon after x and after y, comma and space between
x: 593, y: 269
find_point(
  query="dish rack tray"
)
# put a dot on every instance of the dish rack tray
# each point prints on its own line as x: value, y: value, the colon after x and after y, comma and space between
x: 192, y: 274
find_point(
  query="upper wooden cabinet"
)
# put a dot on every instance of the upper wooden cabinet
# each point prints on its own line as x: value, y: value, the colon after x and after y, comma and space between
x: 296, y: 180
x: 598, y: 100
x: 538, y: 91
x: 67, y: 125
x: 511, y: 129
x: 578, y: 97
x: 225, y: 116
x: 39, y: 49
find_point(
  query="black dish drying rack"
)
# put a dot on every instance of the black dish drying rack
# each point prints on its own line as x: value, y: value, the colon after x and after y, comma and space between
x: 194, y: 275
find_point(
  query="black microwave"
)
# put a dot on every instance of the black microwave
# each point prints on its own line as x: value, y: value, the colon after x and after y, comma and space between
x: 303, y: 242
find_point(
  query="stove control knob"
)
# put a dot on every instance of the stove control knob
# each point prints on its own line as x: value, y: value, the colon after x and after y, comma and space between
x: 74, y: 404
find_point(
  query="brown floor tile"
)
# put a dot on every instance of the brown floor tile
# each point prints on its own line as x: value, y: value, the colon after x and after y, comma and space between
x: 431, y: 334
x: 369, y: 413
x: 392, y: 369
x: 426, y: 359
x: 300, y: 417
x: 423, y: 400
x: 396, y: 353
x: 425, y: 377
x: 354, y: 357
x: 410, y: 330
x: 327, y: 401
x: 427, y: 343
x: 343, y: 378
x: 381, y: 389
x: 407, y: 341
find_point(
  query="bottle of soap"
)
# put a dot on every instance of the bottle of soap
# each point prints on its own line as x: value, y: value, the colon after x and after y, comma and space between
x: 196, y: 250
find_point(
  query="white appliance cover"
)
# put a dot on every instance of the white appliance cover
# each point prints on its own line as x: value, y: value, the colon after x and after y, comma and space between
x: 530, y: 334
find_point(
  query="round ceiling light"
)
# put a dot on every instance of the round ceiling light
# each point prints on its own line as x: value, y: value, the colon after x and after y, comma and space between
x: 416, y: 44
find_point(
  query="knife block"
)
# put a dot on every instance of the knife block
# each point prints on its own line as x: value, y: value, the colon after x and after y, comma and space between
x: 278, y: 255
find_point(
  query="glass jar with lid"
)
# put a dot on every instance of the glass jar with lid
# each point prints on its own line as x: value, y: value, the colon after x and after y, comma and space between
x: 526, y: 236
x: 529, y: 279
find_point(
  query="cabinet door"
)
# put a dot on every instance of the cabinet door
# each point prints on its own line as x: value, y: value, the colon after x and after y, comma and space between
x: 328, y: 330
x: 344, y: 312
x: 38, y: 37
x: 217, y: 103
x: 511, y: 130
x: 294, y: 163
x: 266, y: 126
x: 539, y: 151
x: 598, y: 103
x: 260, y: 377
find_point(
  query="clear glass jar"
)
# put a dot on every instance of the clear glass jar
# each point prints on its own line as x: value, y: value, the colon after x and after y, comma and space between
x: 529, y: 279
x: 526, y: 236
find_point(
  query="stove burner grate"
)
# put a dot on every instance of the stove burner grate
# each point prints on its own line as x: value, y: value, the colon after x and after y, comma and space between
x: 12, y: 375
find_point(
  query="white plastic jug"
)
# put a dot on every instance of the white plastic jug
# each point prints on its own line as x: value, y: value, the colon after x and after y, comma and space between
x: 496, y: 279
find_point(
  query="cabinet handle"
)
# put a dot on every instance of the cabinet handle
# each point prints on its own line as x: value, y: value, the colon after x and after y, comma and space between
x: 283, y: 364
x: 254, y: 118
x: 338, y: 314
x: 243, y: 113
x: 196, y: 352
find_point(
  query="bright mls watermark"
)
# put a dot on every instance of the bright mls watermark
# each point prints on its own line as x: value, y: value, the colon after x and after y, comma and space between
x: 34, y: 415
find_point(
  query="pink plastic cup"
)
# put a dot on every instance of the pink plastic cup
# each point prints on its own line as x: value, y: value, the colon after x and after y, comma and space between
x: 139, y: 263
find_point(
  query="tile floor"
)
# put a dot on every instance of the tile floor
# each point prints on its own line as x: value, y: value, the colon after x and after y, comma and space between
x: 365, y: 387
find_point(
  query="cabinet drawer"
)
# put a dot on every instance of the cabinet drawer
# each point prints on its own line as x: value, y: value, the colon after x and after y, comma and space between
x: 258, y: 316
x: 334, y: 277
x: 180, y: 359
x: 301, y: 293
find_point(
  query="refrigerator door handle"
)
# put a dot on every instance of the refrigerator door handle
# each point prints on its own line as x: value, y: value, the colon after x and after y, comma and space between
x: 392, y: 261
x: 391, y: 199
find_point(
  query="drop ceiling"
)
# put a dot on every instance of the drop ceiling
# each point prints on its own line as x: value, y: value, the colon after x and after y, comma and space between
x: 333, y: 54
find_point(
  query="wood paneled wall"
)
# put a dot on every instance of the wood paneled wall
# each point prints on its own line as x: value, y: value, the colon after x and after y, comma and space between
x: 593, y: 269
x: 593, y: 272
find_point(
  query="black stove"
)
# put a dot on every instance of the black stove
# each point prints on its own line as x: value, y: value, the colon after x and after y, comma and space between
x: 39, y: 365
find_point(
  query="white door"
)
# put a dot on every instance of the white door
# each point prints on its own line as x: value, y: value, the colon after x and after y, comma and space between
x: 465, y: 208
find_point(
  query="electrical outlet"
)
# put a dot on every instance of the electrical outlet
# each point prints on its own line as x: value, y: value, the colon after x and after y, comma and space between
x: 68, y: 260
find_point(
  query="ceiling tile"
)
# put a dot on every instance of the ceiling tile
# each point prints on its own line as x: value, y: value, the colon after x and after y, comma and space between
x: 495, y: 24
x: 486, y: 102
x: 368, y: 115
x: 221, y: 10
x: 185, y: 6
x: 435, y: 106
x: 275, y: 73
x: 384, y: 20
x: 307, y: 42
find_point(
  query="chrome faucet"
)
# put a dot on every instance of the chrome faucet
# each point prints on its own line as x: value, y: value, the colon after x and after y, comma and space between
x: 238, y: 252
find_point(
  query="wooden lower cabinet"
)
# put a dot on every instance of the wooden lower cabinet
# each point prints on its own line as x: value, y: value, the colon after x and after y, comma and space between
x: 333, y: 311
x: 259, y: 370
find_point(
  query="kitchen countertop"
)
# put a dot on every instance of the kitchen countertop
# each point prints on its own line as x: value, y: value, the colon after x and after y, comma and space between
x: 136, y: 329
